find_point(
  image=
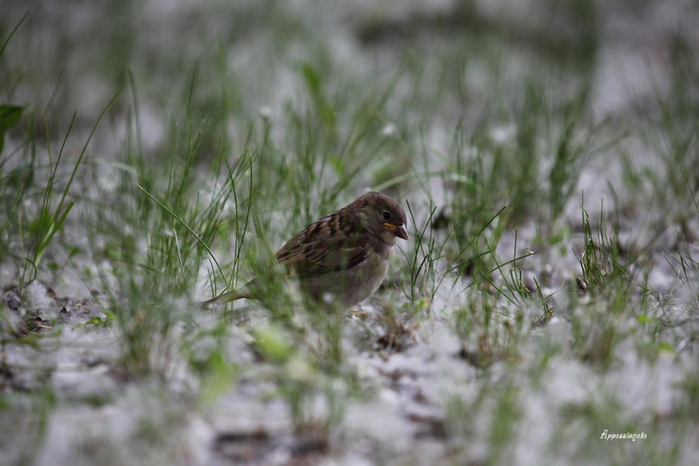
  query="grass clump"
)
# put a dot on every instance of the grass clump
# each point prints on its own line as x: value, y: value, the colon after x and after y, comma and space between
x: 223, y: 148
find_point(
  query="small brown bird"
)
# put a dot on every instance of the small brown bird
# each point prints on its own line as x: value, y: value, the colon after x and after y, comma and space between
x: 344, y: 254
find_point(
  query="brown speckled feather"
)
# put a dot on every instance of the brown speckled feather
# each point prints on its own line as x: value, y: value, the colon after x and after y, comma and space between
x: 319, y: 249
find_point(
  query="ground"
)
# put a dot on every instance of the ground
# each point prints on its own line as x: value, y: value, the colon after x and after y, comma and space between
x: 544, y: 311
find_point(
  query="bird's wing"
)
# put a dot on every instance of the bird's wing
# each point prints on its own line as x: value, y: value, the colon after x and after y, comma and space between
x: 322, y: 248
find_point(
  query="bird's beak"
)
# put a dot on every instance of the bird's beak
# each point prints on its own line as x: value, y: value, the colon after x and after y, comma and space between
x: 398, y: 230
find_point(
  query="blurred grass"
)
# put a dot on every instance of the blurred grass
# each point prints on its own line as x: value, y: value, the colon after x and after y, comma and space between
x: 261, y: 120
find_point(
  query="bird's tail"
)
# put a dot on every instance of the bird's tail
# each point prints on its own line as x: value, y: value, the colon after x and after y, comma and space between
x: 224, y: 298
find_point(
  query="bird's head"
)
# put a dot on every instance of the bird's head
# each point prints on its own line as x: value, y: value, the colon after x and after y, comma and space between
x: 382, y: 216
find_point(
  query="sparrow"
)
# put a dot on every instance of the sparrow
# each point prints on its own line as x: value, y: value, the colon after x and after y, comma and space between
x: 344, y: 254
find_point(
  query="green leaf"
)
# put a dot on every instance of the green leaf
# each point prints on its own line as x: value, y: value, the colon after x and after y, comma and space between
x: 9, y: 116
x: 220, y: 377
x: 98, y: 321
x: 313, y: 79
x: 666, y: 347
x: 272, y: 343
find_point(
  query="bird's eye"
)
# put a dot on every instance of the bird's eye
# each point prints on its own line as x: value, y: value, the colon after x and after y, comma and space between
x: 386, y: 214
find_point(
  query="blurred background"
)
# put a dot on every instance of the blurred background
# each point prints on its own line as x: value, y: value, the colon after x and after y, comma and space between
x: 502, y: 123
